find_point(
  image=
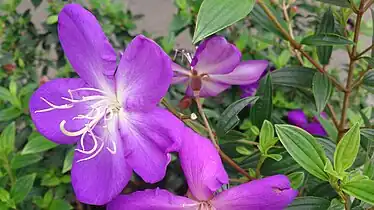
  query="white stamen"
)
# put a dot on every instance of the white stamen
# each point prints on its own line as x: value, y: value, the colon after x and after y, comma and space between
x: 53, y: 106
x: 93, y: 155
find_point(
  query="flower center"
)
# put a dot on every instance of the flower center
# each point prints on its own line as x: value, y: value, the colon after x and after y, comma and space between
x: 206, y: 205
x: 102, y: 109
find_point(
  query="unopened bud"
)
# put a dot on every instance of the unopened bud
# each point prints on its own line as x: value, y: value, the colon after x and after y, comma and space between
x: 44, y: 79
x: 9, y: 68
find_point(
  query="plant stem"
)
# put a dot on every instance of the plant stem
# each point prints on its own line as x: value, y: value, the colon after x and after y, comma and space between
x: 365, y: 51
x: 8, y: 169
x: 350, y: 71
x: 370, y: 2
x: 333, y: 115
x: 259, y: 165
x: 298, y: 47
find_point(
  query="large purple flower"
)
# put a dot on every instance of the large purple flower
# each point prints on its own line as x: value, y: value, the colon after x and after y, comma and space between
x: 110, y: 111
x: 205, y: 174
x: 297, y: 117
x: 215, y: 67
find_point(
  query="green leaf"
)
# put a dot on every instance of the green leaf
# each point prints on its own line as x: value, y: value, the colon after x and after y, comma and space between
x: 329, y: 127
x: 369, y: 60
x: 52, y: 19
x: 368, y: 133
x: 296, y: 179
x: 336, y: 204
x: 216, y: 15
x: 327, y: 25
x: 7, y: 139
x: 48, y: 197
x: 368, y: 79
x: 59, y: 204
x: 263, y: 107
x: 330, y: 170
x: 4, y: 195
x: 296, y: 77
x: 20, y: 161
x: 304, y: 148
x: 276, y: 157
x: 362, y: 189
x: 50, y: 180
x: 267, y: 139
x: 37, y: 143
x: 322, y: 90
x: 22, y: 187
x: 309, y: 203
x: 68, y: 160
x: 9, y: 114
x: 5, y: 95
x: 347, y: 149
x: 36, y: 3
x: 326, y: 39
x: 340, y: 3
x: 229, y: 118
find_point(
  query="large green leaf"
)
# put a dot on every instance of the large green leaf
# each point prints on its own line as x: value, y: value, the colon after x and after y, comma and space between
x: 309, y: 203
x: 5, y: 95
x: 297, y: 77
x: 9, y: 114
x: 331, y: 130
x: 7, y: 139
x: 326, y: 39
x: 327, y: 25
x: 37, y: 143
x: 22, y: 187
x: 347, y: 149
x: 216, y: 15
x: 263, y: 107
x: 229, y: 118
x: 361, y: 189
x: 20, y: 161
x: 304, y: 148
x: 341, y: 3
x: 322, y: 90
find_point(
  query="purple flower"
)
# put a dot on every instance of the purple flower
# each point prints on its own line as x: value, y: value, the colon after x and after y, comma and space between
x: 110, y: 111
x: 297, y: 117
x: 250, y: 90
x: 215, y: 67
x: 205, y: 174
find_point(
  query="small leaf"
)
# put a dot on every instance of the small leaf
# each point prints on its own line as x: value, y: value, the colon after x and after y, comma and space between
x: 330, y: 170
x: 327, y: 25
x: 229, y: 118
x: 48, y: 197
x: 22, y: 187
x: 20, y: 161
x: 340, y: 3
x: 309, y: 203
x: 50, y: 180
x: 216, y: 15
x: 37, y: 143
x: 59, y: 204
x: 362, y: 189
x: 52, y: 19
x: 5, y: 95
x: 368, y: 133
x: 336, y: 204
x: 368, y: 80
x: 276, y: 157
x: 243, y: 150
x: 68, y: 160
x: 369, y: 60
x: 4, y: 195
x: 263, y: 107
x: 326, y: 39
x: 7, y: 139
x: 347, y: 149
x: 36, y: 3
x: 322, y: 90
x: 304, y: 148
x: 9, y: 114
x: 296, y: 77
x: 296, y: 179
x: 267, y: 139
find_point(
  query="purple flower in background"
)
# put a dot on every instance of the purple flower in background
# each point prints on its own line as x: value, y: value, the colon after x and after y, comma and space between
x: 215, y: 67
x: 250, y: 90
x: 297, y: 117
x: 110, y: 111
x: 205, y: 174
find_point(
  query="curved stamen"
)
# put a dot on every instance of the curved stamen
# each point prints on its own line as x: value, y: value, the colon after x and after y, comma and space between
x: 74, y: 133
x: 114, y: 151
x: 93, y: 148
x: 53, y: 106
x: 93, y: 155
x: 90, y: 89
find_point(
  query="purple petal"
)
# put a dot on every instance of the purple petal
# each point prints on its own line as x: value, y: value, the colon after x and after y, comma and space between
x: 273, y: 193
x: 86, y: 46
x: 202, y: 165
x: 149, y: 137
x: 100, y: 179
x: 245, y: 73
x: 322, y: 114
x: 216, y: 56
x: 48, y: 122
x: 181, y: 75
x: 156, y: 199
x: 209, y: 88
x: 249, y: 90
x: 143, y: 75
x: 315, y: 128
x: 297, y: 117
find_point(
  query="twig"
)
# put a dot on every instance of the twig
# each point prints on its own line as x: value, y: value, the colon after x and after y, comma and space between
x: 350, y: 72
x: 259, y: 165
x: 298, y: 47
x: 370, y: 2
x: 333, y: 115
x: 363, y: 52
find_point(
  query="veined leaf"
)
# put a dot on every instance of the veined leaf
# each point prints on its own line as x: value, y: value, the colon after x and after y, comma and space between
x: 327, y: 39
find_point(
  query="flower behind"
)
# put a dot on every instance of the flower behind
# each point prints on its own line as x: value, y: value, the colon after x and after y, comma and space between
x: 205, y: 174
x: 297, y: 117
x: 215, y: 67
x: 110, y: 111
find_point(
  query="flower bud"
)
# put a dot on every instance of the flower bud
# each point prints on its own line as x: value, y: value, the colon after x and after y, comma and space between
x: 43, y: 80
